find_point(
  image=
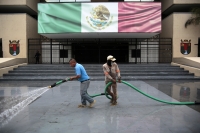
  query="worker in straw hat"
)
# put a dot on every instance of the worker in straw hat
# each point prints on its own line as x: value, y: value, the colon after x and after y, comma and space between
x: 112, y: 73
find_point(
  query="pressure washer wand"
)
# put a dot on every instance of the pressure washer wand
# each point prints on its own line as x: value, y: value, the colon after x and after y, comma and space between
x: 59, y: 82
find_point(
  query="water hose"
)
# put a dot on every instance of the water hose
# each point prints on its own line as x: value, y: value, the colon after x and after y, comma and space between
x: 133, y: 87
x: 59, y: 82
x: 159, y: 100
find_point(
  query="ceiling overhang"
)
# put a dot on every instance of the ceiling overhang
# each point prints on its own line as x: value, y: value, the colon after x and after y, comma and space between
x: 178, y: 8
x: 101, y: 35
x: 17, y: 9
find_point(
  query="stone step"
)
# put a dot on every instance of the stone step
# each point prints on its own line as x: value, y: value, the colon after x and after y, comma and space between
x: 48, y: 72
x: 95, y: 74
x: 99, y: 70
x: 100, y: 65
x: 91, y: 66
x: 96, y: 78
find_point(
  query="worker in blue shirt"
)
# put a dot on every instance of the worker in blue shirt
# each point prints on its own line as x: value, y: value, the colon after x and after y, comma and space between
x: 84, y: 79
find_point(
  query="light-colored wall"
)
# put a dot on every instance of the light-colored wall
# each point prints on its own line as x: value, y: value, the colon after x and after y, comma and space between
x: 32, y: 4
x: 32, y: 32
x: 167, y: 27
x: 17, y: 27
x: 13, y: 27
x: 180, y: 32
x: 13, y: 2
x: 173, y: 26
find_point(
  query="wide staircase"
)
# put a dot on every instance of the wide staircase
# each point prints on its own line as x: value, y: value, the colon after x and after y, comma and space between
x: 48, y: 72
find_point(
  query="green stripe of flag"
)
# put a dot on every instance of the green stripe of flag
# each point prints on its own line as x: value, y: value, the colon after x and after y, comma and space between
x: 59, y: 17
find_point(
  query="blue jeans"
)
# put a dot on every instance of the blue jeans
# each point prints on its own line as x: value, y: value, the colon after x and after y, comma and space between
x: 84, y: 96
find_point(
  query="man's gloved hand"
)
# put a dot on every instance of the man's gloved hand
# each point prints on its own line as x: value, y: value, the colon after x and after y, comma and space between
x: 113, y: 80
x: 119, y: 79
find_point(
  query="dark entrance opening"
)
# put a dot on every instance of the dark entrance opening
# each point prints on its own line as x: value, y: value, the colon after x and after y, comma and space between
x: 1, y: 49
x: 97, y: 53
x: 120, y: 52
x: 199, y: 47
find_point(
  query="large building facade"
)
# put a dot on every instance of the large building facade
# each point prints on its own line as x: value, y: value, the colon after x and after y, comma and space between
x: 175, y: 13
x: 155, y: 34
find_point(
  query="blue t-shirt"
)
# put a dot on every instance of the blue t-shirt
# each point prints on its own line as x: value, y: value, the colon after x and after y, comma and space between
x: 80, y: 70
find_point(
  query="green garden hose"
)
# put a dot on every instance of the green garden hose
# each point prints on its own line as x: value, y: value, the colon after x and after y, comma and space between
x: 167, y: 102
x: 156, y: 99
x: 133, y: 87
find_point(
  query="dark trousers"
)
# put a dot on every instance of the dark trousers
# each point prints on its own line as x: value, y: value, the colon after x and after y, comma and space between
x: 37, y: 60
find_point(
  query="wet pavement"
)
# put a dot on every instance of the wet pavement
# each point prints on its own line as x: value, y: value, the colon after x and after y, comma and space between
x: 31, y: 108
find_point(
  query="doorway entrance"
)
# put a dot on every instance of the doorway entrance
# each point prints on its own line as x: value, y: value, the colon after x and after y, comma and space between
x: 199, y: 47
x: 1, y: 49
x: 97, y: 53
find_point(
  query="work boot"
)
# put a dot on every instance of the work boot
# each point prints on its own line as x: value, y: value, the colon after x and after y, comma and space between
x: 91, y: 104
x: 112, y: 95
x: 81, y: 106
x: 111, y: 101
x: 114, y: 101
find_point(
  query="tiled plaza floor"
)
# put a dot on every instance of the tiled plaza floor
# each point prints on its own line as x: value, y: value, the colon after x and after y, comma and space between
x: 55, y: 111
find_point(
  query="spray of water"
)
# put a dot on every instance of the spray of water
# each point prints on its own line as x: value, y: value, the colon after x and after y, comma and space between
x: 26, y: 98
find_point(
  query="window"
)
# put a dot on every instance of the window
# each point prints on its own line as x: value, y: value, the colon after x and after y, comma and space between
x: 64, y: 53
x: 135, y: 53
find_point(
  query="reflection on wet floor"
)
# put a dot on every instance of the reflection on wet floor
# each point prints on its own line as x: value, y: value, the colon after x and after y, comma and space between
x: 56, y: 110
x: 13, y: 100
x: 182, y: 91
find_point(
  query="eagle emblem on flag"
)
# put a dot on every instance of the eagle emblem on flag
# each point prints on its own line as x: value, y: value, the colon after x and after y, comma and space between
x: 99, y: 18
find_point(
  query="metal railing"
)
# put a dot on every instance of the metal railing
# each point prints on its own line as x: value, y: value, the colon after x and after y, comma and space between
x: 95, y: 50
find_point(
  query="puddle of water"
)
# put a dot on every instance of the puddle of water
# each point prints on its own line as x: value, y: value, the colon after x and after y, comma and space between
x: 183, y: 91
x: 10, y: 106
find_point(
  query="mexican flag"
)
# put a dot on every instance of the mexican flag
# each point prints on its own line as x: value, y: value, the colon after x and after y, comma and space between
x: 99, y: 17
